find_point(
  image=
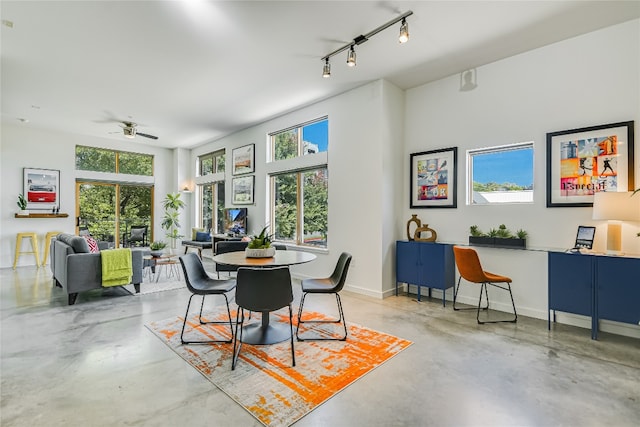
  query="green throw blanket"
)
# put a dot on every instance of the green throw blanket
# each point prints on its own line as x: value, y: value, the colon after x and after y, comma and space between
x: 117, y: 267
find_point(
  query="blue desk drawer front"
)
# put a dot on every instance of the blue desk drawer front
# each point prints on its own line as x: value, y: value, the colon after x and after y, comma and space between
x: 618, y: 295
x: 570, y: 283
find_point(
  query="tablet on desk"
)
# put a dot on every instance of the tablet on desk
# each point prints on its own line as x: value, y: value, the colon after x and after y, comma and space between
x: 584, y: 238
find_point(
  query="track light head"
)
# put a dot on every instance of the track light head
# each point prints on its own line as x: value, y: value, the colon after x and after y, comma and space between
x: 351, y: 58
x: 404, y: 31
x: 326, y: 70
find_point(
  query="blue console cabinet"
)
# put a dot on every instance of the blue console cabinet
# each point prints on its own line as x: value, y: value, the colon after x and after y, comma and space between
x: 425, y: 264
x: 599, y: 286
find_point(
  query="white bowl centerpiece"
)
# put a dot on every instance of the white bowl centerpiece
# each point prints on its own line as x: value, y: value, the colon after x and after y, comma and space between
x: 260, y: 246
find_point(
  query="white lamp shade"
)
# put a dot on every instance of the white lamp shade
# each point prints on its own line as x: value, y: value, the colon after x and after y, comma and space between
x: 616, y: 206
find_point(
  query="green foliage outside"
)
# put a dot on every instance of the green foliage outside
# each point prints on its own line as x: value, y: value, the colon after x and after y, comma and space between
x: 98, y: 201
x: 494, y: 186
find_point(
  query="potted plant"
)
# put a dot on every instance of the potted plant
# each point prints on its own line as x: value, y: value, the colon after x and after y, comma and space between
x: 172, y: 205
x: 157, y: 248
x: 498, y: 237
x: 22, y: 204
x: 260, y: 245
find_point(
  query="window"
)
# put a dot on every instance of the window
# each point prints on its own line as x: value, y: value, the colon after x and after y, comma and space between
x: 302, y: 140
x: 501, y: 174
x: 212, y: 207
x: 211, y: 163
x: 299, y: 194
x: 103, y: 160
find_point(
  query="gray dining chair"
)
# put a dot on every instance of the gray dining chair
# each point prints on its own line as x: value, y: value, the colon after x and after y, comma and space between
x: 262, y: 290
x: 200, y: 283
x: 329, y: 285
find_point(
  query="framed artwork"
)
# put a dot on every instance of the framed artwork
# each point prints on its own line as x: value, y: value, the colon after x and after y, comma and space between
x: 582, y: 162
x: 41, y: 188
x: 242, y: 190
x: 434, y: 178
x: 243, y: 159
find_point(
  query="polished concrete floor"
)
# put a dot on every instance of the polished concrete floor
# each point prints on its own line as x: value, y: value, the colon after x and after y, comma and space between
x: 95, y: 364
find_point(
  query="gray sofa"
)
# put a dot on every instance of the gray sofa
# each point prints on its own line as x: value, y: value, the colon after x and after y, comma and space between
x: 75, y: 269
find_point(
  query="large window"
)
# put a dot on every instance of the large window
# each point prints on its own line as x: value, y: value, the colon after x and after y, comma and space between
x: 103, y: 160
x: 108, y: 208
x: 299, y: 190
x: 212, y: 206
x: 501, y: 174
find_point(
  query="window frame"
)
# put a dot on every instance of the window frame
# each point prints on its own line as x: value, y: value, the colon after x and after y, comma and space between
x: 298, y: 165
x: 498, y: 149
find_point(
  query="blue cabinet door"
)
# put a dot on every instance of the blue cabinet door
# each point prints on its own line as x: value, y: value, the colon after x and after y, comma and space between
x: 570, y: 283
x: 618, y: 281
x: 407, y: 263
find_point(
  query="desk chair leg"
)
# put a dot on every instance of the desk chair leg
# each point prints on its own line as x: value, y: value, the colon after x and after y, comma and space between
x: 508, y: 288
x: 455, y: 297
x: 186, y: 315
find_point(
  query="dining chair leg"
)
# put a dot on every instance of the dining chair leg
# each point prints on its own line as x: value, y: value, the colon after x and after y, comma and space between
x: 186, y: 316
x: 237, y: 337
x: 293, y: 353
x: 340, y: 319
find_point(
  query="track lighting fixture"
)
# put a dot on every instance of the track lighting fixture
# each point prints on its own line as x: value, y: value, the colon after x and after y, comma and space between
x: 351, y: 57
x: 326, y: 71
x: 404, y: 31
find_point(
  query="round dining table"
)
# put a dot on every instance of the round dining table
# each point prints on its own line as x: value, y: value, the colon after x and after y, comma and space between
x: 265, y: 332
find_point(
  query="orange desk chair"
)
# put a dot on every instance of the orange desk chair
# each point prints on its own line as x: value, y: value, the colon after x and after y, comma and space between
x: 471, y: 270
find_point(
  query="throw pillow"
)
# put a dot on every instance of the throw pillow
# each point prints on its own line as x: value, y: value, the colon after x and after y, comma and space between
x: 202, y: 236
x: 91, y: 242
x: 194, y: 231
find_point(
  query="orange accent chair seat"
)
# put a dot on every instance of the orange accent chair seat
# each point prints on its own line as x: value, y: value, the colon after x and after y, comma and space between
x: 470, y: 269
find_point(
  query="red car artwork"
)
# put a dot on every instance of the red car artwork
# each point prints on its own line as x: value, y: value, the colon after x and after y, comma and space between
x: 41, y: 193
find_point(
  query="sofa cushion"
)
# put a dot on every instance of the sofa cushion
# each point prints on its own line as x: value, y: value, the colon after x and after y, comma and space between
x: 202, y: 236
x: 194, y: 231
x: 77, y: 243
x: 91, y: 242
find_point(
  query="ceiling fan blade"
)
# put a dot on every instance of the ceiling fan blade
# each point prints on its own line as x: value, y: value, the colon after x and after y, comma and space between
x: 146, y: 135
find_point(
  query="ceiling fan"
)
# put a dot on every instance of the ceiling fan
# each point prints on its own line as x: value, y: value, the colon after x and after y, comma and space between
x: 130, y: 130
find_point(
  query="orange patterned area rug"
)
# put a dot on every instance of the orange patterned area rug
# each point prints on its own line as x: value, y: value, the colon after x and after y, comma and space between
x: 264, y: 382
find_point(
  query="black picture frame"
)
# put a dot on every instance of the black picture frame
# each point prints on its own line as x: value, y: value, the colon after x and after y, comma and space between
x: 243, y: 159
x: 434, y: 178
x: 583, y: 161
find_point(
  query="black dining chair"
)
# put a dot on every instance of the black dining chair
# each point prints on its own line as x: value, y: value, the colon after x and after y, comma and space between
x: 264, y: 290
x: 329, y: 285
x: 200, y: 283
x: 225, y: 247
x: 137, y: 236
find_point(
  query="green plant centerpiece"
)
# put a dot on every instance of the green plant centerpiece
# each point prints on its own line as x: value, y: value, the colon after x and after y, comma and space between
x: 157, y: 247
x: 260, y: 245
x: 499, y: 237
x: 22, y: 204
x: 172, y: 205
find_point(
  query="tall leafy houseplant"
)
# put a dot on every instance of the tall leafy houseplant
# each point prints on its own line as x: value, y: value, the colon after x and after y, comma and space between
x: 172, y: 205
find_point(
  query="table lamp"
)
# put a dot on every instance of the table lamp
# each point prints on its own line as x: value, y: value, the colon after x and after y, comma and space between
x: 615, y: 207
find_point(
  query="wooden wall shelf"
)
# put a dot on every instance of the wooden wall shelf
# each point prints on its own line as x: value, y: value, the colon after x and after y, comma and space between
x: 43, y: 215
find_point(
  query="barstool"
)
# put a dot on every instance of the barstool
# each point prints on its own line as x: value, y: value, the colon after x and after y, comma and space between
x: 34, y: 247
x: 47, y: 243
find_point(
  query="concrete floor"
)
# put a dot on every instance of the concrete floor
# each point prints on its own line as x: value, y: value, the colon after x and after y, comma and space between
x: 95, y: 364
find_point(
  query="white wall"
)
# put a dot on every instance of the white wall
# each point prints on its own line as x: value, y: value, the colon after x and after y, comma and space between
x: 585, y: 81
x: 361, y: 133
x: 22, y: 146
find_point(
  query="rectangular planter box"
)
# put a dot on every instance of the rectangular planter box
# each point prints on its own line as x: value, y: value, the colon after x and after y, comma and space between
x: 498, y: 242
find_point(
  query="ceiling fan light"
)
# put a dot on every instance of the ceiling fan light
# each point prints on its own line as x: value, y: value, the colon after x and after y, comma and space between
x: 404, y: 31
x: 351, y: 58
x: 129, y: 132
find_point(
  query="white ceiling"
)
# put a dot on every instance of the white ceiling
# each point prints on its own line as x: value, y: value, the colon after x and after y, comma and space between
x: 193, y: 71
